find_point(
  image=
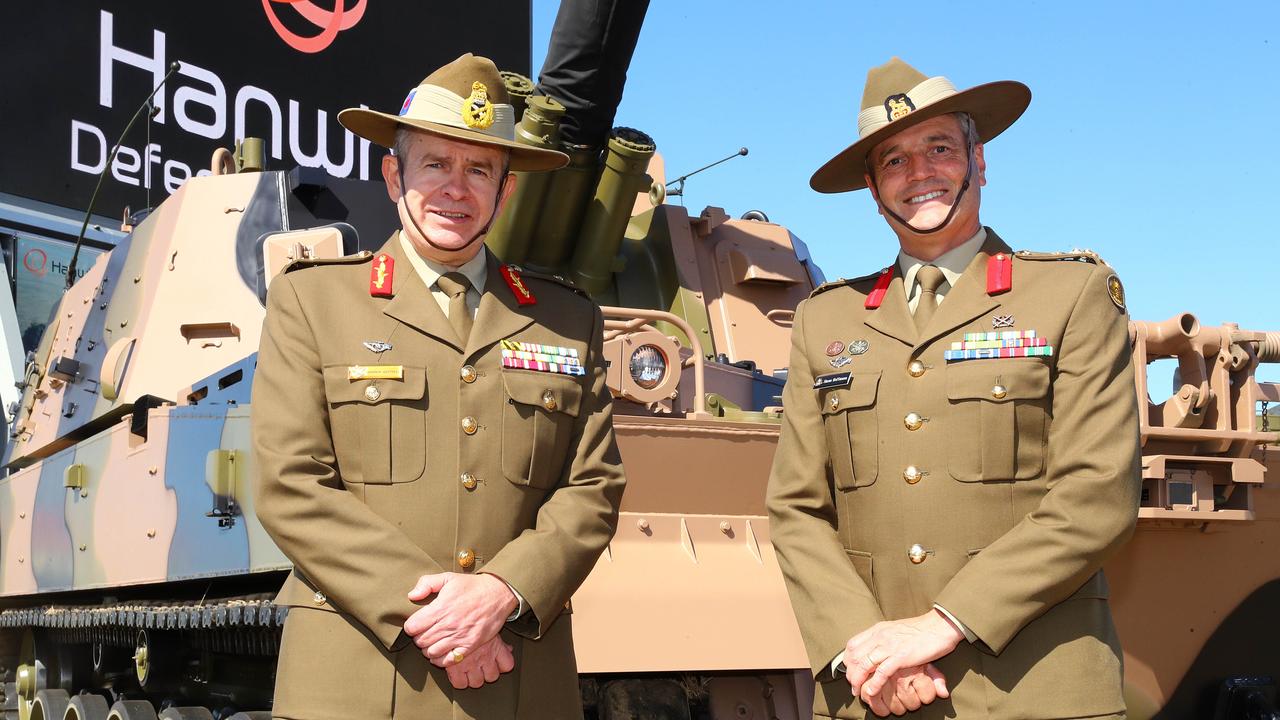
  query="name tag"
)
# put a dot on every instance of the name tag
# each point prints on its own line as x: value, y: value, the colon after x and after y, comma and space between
x: 822, y: 382
x: 375, y: 372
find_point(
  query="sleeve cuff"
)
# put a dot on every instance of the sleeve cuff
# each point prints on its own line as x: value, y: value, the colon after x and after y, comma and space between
x: 520, y: 607
x: 968, y: 634
x: 837, y: 665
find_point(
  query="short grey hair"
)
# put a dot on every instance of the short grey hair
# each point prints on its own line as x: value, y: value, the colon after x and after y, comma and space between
x: 970, y: 129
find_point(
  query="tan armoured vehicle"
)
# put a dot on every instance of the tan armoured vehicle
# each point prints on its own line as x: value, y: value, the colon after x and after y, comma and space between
x: 136, y: 581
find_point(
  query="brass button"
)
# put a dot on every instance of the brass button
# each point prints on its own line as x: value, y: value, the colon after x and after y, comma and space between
x: 469, y: 425
x: 467, y: 373
x: 549, y: 400
x: 466, y: 558
x: 916, y: 368
x: 913, y: 421
x: 371, y: 393
x: 319, y: 598
x: 835, y: 403
x: 917, y: 553
x: 469, y: 481
x: 999, y: 391
x: 912, y: 475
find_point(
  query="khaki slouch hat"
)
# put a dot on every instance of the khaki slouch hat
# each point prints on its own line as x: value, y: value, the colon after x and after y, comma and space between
x: 897, y: 96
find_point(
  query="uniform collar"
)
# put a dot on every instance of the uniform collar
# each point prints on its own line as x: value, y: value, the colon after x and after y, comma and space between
x: 952, y: 263
x: 476, y: 269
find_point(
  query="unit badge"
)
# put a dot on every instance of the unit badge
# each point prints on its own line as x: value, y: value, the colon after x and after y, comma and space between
x: 408, y: 102
x: 477, y: 111
x: 858, y: 347
x: 898, y: 106
x: 1116, y: 290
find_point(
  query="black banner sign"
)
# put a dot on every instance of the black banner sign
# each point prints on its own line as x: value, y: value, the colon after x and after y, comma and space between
x: 76, y: 70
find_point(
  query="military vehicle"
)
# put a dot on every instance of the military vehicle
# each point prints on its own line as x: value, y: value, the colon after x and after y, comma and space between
x: 136, y: 581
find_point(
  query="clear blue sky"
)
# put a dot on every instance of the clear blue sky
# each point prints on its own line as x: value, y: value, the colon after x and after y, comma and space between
x: 1150, y: 138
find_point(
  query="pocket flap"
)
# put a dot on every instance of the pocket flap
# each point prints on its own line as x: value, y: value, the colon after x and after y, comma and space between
x: 859, y: 393
x: 339, y: 388
x: 999, y: 380
x: 549, y: 391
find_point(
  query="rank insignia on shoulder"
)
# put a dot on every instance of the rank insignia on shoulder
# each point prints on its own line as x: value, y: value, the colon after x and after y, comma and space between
x: 822, y: 382
x: 375, y: 372
x: 1116, y: 291
x: 511, y: 274
x: 382, y: 276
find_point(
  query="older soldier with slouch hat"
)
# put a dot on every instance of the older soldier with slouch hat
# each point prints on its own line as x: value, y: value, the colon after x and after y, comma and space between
x: 959, y: 448
x: 434, y: 441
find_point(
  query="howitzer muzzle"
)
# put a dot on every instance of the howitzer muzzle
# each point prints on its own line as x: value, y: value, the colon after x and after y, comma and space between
x: 610, y: 211
x: 512, y: 232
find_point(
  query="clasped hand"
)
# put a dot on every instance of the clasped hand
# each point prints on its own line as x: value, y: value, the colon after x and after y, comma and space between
x: 465, y: 616
x: 890, y: 665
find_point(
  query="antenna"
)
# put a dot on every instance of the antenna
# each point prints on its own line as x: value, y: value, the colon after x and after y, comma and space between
x: 679, y: 182
x: 88, y: 213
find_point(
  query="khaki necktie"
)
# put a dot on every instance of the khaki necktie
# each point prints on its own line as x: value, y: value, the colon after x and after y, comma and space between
x: 930, y: 279
x: 455, y: 285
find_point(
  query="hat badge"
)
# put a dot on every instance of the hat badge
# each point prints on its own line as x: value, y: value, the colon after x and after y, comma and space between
x: 477, y: 111
x: 898, y: 106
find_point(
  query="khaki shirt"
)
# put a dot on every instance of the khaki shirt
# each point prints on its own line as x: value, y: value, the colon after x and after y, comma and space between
x: 994, y: 488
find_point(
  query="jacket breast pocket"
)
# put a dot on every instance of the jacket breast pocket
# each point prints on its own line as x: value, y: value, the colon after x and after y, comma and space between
x: 997, y: 419
x: 853, y: 437
x: 378, y: 426
x: 537, y: 425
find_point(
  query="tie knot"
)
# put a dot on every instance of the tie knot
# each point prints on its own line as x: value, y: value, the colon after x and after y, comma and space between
x: 930, y: 278
x: 454, y: 284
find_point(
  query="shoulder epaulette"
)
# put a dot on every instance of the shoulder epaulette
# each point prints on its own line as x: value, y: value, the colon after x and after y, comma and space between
x: 1077, y: 254
x: 303, y: 263
x: 842, y: 282
x: 549, y: 277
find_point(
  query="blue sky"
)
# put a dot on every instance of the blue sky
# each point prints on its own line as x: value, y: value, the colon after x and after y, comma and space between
x: 1149, y: 139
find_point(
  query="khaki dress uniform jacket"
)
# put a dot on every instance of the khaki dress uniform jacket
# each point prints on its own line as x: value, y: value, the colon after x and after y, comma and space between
x: 461, y: 465
x: 1015, y: 477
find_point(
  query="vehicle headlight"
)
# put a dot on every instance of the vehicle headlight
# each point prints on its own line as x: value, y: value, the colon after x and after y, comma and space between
x: 648, y: 366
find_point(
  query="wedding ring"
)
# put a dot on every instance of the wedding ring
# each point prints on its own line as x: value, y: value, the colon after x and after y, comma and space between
x: 457, y: 655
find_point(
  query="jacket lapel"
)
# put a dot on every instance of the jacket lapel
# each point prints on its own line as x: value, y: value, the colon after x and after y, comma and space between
x: 969, y: 298
x: 893, y: 317
x: 499, y: 316
x: 413, y: 304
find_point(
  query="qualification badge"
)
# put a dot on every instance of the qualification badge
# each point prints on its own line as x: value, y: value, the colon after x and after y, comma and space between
x: 835, y: 348
x: 477, y: 111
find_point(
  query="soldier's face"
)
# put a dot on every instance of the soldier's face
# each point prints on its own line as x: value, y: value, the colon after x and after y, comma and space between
x: 450, y: 190
x: 918, y: 174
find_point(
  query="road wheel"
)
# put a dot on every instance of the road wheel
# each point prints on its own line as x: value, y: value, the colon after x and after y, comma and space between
x: 49, y: 704
x: 186, y: 713
x: 132, y: 710
x: 87, y: 707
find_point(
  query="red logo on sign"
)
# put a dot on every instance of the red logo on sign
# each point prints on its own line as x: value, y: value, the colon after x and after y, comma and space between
x: 330, y: 22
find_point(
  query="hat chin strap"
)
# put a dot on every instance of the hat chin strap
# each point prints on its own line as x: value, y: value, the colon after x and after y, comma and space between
x: 479, y: 233
x: 968, y: 175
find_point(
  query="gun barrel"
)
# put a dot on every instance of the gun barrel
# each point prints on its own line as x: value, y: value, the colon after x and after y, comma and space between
x: 623, y: 176
x: 512, y: 232
x: 1168, y: 336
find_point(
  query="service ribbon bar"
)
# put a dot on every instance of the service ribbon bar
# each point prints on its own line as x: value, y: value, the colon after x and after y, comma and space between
x: 519, y: 346
x: 994, y: 353
x: 540, y: 357
x: 1001, y: 335
x: 1008, y: 343
x: 538, y: 365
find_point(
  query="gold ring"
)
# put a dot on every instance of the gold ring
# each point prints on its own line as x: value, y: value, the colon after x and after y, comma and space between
x: 457, y: 655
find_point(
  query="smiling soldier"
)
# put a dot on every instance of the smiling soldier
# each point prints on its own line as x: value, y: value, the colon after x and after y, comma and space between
x: 434, y: 440
x: 959, y: 450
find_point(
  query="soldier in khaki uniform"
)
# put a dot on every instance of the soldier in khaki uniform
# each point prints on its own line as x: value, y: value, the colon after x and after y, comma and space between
x: 959, y: 449
x: 434, y: 441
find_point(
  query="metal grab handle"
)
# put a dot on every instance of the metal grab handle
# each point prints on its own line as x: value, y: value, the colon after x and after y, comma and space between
x: 634, y: 319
